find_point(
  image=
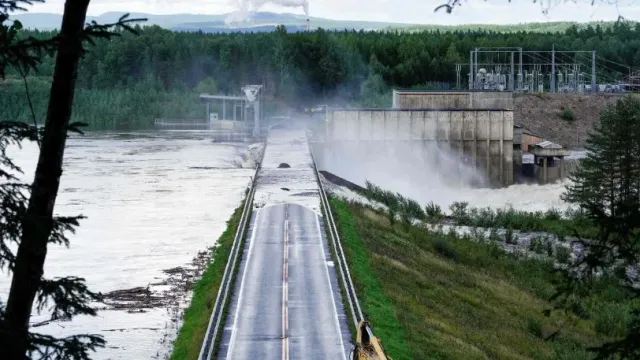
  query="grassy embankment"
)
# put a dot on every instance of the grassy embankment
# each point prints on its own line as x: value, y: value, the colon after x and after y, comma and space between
x: 431, y: 295
x: 196, y: 317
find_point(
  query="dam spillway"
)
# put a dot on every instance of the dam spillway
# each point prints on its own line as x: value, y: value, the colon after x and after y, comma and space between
x: 455, y: 141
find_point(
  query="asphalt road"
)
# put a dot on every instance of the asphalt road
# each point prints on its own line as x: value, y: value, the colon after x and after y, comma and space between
x: 286, y: 302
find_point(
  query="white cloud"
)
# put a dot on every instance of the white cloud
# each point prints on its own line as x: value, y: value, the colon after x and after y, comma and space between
x: 411, y: 11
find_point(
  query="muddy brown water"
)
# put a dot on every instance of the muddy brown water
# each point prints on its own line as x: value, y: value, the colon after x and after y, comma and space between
x: 154, y: 202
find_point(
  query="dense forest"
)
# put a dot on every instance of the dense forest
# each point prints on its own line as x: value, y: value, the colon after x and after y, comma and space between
x: 544, y: 27
x: 132, y: 79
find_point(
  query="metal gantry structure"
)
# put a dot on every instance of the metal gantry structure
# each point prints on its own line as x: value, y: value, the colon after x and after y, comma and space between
x: 239, y: 104
x: 251, y: 99
x: 519, y: 70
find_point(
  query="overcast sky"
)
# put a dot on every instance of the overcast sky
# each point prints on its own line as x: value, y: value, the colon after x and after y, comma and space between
x: 408, y: 11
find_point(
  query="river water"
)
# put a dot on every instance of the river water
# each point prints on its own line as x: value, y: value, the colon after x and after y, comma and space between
x: 436, y: 175
x: 156, y: 200
x: 153, y: 201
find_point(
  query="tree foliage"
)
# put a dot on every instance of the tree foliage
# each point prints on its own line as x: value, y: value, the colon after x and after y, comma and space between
x: 300, y: 66
x: 130, y: 80
x: 26, y: 216
x: 606, y: 186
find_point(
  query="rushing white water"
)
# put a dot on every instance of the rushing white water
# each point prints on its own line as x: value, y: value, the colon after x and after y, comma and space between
x: 152, y: 201
x: 429, y: 174
x: 520, y: 197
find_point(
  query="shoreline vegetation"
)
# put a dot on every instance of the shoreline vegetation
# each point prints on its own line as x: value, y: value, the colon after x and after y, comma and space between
x: 434, y: 294
x: 196, y: 316
x: 568, y: 223
x: 430, y: 294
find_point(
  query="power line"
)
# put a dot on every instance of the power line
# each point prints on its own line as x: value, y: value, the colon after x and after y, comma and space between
x: 613, y: 62
x: 577, y: 70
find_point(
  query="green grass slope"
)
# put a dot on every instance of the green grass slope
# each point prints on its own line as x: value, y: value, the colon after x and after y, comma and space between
x: 437, y: 296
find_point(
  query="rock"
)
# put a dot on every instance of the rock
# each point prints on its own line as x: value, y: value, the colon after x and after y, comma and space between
x: 283, y: 166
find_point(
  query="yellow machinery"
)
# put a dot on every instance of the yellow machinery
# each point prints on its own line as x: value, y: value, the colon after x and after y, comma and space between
x: 367, y: 346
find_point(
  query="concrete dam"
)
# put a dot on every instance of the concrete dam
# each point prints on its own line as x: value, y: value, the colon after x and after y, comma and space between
x: 410, y: 145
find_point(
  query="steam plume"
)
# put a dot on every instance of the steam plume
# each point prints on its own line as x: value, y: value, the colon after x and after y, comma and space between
x: 244, y: 6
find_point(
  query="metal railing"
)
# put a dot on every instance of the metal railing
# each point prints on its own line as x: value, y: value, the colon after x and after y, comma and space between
x: 216, y: 320
x: 191, y: 124
x: 352, y: 298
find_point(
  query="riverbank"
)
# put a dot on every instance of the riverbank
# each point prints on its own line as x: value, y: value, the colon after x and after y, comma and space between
x: 205, y: 290
x: 436, y: 295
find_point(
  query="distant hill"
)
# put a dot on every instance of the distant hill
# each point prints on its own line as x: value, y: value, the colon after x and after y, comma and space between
x: 267, y: 21
x: 48, y: 21
x: 257, y: 21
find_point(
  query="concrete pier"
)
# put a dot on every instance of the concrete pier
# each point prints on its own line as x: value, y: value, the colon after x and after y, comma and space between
x: 549, y: 161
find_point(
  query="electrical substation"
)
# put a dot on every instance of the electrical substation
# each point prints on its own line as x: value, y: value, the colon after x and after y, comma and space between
x: 518, y: 70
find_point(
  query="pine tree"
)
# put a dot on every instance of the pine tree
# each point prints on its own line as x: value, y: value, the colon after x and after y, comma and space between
x: 609, y: 176
x: 606, y: 186
x: 26, y: 215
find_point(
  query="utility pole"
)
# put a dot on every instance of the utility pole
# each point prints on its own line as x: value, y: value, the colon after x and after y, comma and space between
x: 512, y: 81
x: 471, y: 77
x: 520, y: 71
x: 553, y: 68
x: 476, y: 67
x: 593, y: 71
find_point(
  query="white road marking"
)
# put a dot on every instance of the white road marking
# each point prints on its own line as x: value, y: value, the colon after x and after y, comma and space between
x: 333, y: 300
x: 285, y: 293
x: 234, y: 332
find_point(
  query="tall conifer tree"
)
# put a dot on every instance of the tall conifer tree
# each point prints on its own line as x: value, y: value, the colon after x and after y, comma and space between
x: 606, y: 186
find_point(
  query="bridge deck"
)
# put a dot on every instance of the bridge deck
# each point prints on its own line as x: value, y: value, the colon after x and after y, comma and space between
x: 286, y: 302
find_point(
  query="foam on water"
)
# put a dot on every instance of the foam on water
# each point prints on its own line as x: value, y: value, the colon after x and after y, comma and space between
x: 294, y: 184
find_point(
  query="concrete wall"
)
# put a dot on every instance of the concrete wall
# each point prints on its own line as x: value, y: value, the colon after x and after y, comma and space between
x: 479, y: 139
x: 452, y: 99
x: 553, y: 174
x: 421, y: 125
